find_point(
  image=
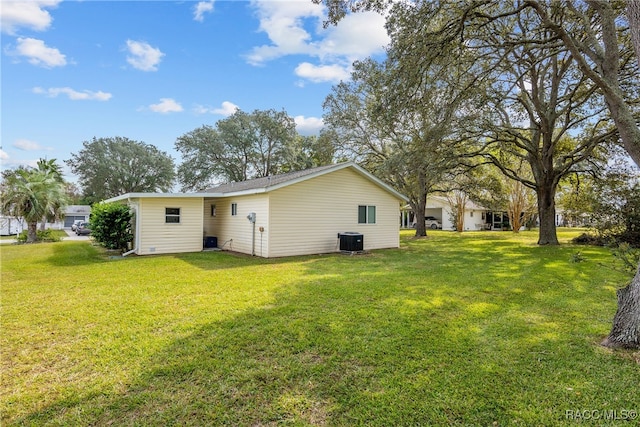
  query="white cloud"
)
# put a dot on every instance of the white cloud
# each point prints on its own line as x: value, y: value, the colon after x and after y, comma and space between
x: 295, y: 28
x: 357, y: 36
x: 143, y: 56
x: 201, y: 8
x: 308, y: 125
x: 27, y: 145
x: 39, y: 54
x: 30, y: 14
x: 322, y: 73
x: 166, y: 105
x: 284, y: 24
x: 3, y: 155
x: 226, y: 109
x: 72, y: 94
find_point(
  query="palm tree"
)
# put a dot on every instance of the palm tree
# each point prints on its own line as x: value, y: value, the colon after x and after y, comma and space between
x: 50, y: 166
x: 56, y: 211
x: 32, y: 194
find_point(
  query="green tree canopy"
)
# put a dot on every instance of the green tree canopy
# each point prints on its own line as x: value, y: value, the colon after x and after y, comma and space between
x: 108, y: 167
x: 247, y: 145
x: 402, y: 126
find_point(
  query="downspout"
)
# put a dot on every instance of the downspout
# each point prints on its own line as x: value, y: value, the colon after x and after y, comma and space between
x: 128, y: 253
x: 135, y: 237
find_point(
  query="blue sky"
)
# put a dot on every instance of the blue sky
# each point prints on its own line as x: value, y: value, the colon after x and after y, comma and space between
x: 152, y: 71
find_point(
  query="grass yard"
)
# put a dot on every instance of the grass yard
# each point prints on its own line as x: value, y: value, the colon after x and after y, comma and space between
x: 473, y: 329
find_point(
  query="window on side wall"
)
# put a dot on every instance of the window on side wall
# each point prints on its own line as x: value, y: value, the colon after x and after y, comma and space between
x: 213, y: 210
x: 172, y: 215
x: 366, y: 214
x: 234, y: 209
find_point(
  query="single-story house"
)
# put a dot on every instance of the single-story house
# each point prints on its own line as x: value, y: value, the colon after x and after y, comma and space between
x: 297, y: 213
x: 475, y: 217
x: 74, y: 213
x: 12, y: 225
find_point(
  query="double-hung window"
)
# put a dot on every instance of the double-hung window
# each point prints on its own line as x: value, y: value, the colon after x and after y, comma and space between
x: 172, y: 215
x: 234, y: 209
x: 366, y: 214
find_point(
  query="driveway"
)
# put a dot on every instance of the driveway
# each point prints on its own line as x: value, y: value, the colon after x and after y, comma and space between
x: 70, y: 236
x: 73, y: 236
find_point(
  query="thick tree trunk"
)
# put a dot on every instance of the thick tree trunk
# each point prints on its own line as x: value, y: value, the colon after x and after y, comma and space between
x: 547, y: 214
x: 32, y: 232
x: 419, y: 210
x: 418, y: 203
x: 625, y: 332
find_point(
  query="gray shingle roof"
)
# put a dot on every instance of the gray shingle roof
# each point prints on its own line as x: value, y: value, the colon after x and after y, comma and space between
x: 263, y: 183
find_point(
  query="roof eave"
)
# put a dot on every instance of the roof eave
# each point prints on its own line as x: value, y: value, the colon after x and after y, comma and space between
x: 266, y: 189
x: 129, y: 196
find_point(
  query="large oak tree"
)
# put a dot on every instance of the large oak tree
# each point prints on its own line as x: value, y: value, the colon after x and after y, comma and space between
x: 598, y: 36
x: 109, y: 167
x: 411, y: 145
x: 245, y: 146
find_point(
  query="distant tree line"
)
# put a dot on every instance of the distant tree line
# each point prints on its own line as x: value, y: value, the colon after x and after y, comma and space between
x: 239, y: 147
x: 245, y: 146
x: 109, y: 167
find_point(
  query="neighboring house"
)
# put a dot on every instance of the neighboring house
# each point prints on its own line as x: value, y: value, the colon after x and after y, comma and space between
x: 475, y: 217
x: 10, y: 225
x: 73, y: 213
x: 298, y: 213
x: 563, y: 219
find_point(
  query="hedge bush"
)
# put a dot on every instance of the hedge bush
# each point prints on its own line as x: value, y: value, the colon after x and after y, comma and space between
x: 111, y: 225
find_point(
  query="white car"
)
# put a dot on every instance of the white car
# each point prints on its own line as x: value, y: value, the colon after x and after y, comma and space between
x: 431, y: 222
x: 75, y: 224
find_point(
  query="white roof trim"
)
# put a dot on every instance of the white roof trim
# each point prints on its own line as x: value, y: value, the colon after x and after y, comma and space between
x: 128, y: 196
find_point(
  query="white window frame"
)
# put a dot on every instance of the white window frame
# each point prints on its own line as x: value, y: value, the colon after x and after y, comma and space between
x: 172, y: 215
x: 368, y: 210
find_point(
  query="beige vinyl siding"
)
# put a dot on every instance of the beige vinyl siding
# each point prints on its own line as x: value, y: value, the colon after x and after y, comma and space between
x: 306, y: 217
x: 235, y: 232
x: 210, y: 223
x: 158, y: 237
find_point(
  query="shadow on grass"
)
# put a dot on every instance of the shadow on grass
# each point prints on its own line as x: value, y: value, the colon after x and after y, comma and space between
x: 75, y: 253
x: 398, y: 337
x: 223, y: 260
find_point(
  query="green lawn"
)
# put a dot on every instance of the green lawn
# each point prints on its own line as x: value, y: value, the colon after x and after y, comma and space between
x: 474, y: 329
